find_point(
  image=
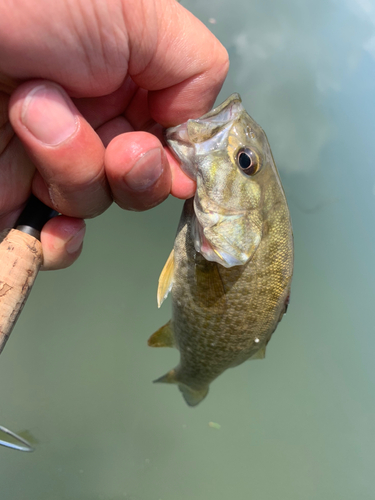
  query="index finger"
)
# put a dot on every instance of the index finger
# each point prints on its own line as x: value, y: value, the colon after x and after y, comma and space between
x: 180, y: 62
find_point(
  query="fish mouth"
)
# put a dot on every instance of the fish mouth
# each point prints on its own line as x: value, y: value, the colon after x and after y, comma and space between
x: 182, y: 149
x: 202, y: 133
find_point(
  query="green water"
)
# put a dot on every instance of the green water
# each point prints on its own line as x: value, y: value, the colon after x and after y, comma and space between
x: 299, y: 425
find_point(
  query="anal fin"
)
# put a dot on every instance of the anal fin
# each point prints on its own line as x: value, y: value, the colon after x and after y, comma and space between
x: 168, y: 378
x: 191, y: 396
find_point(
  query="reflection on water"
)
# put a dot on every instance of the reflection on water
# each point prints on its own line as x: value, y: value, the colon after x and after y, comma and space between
x: 299, y: 424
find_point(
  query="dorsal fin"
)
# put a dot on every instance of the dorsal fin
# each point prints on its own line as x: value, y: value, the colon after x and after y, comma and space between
x: 261, y: 354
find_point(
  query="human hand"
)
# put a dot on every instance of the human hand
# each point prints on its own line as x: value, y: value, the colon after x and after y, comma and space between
x: 101, y: 80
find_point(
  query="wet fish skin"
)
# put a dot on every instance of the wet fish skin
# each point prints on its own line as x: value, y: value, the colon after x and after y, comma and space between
x: 231, y: 267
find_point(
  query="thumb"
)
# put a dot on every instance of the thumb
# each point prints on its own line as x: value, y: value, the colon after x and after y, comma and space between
x: 66, y: 151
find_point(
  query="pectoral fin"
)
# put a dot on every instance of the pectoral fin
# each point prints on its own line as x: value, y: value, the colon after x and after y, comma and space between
x: 210, y: 284
x: 166, y: 279
x: 163, y: 337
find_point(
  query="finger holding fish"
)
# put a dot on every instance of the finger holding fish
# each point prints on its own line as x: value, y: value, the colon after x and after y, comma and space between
x: 142, y: 173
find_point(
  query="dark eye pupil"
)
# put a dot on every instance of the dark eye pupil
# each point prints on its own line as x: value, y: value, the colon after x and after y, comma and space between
x: 248, y: 161
x: 244, y: 160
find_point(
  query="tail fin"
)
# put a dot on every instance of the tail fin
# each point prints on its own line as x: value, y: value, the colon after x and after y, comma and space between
x: 191, y: 396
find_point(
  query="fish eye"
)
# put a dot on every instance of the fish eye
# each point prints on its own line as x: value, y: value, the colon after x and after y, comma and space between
x: 248, y: 161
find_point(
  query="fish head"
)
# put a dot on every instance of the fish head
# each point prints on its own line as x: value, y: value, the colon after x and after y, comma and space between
x: 227, y: 153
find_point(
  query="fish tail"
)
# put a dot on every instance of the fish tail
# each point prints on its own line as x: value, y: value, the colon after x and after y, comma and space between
x: 191, y: 396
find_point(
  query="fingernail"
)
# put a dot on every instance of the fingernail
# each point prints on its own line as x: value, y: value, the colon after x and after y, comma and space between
x: 48, y: 115
x: 146, y: 171
x: 75, y: 241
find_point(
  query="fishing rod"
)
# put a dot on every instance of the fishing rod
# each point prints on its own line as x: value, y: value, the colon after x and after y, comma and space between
x: 20, y: 443
x: 20, y: 260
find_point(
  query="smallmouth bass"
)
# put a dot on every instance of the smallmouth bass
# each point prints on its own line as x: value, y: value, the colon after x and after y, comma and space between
x: 231, y: 267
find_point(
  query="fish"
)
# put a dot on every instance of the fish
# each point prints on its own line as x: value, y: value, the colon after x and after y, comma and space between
x: 230, y: 270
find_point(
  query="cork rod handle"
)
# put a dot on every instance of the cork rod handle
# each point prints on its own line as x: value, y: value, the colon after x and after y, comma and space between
x: 20, y: 261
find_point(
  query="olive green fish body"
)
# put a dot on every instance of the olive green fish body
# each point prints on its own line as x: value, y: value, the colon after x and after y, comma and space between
x: 225, y: 309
